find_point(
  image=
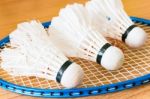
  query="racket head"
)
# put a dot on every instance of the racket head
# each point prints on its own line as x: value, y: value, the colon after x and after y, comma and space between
x: 135, y: 72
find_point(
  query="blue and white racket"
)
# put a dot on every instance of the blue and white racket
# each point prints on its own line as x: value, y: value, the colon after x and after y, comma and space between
x: 135, y: 72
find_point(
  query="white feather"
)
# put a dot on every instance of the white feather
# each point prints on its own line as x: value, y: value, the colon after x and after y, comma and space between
x: 73, y: 33
x: 74, y: 30
x: 33, y: 54
x: 110, y: 15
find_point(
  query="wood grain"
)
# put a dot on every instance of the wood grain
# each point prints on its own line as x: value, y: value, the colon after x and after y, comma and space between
x: 15, y: 11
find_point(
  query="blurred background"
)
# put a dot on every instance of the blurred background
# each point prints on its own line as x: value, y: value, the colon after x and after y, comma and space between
x: 15, y: 11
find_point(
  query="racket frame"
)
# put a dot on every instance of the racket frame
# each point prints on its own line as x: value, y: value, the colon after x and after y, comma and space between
x: 76, y: 92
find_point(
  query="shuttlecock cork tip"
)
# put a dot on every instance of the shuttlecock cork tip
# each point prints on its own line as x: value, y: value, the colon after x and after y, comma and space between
x: 73, y: 76
x: 136, y: 38
x: 112, y: 59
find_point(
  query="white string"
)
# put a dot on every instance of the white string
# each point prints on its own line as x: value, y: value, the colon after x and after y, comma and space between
x: 89, y: 67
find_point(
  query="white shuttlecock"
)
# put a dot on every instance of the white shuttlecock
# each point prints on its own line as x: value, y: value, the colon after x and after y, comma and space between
x: 111, y: 15
x: 33, y: 54
x: 72, y: 32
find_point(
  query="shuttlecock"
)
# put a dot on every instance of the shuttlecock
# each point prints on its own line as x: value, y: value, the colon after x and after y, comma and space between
x: 72, y: 32
x: 32, y: 54
x: 111, y: 15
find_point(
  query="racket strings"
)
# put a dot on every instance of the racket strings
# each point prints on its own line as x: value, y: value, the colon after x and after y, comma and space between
x: 136, y: 65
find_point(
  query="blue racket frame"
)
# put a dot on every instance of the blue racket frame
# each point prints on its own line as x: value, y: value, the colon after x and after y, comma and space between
x: 76, y: 92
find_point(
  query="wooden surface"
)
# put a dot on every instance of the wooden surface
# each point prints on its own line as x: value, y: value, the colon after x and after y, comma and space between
x: 15, y: 11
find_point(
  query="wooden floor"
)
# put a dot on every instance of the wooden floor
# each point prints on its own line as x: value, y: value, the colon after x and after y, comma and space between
x: 15, y: 11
